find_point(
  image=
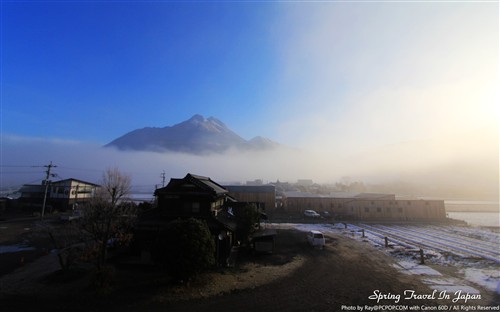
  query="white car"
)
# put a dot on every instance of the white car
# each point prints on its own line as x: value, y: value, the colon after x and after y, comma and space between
x: 316, y: 239
x: 311, y: 214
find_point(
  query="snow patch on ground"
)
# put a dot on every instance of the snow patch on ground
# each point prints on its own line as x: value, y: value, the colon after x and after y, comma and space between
x: 488, y: 278
x: 413, y: 268
x: 452, y: 246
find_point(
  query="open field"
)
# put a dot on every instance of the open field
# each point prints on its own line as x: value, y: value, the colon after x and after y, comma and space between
x: 468, y: 257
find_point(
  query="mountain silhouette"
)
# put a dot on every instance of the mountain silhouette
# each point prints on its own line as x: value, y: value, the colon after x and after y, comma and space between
x: 197, y: 135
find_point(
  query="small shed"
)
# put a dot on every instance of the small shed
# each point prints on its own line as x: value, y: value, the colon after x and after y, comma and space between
x: 263, y: 241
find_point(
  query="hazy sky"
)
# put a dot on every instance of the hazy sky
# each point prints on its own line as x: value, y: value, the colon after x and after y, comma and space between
x: 334, y: 78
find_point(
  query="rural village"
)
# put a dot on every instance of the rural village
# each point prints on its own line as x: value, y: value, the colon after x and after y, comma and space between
x: 249, y: 155
x: 196, y: 231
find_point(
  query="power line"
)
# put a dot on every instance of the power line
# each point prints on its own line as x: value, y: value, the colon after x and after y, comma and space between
x: 16, y: 172
x: 49, y: 167
x: 17, y: 166
x: 81, y: 169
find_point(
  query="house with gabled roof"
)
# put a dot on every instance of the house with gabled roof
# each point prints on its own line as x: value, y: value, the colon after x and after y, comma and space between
x: 193, y: 196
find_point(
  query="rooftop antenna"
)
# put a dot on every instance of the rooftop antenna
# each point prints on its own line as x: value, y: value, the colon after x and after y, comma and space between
x: 163, y: 179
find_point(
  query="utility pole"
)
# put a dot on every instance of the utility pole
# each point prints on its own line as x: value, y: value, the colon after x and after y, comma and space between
x: 47, y: 182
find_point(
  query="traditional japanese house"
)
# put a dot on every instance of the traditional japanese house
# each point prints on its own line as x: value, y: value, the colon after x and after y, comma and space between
x: 192, y: 197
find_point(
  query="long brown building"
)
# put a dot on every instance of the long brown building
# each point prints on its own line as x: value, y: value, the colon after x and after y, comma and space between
x: 264, y: 196
x: 366, y: 206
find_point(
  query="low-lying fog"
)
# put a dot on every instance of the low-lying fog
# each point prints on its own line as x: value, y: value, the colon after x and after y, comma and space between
x: 465, y: 165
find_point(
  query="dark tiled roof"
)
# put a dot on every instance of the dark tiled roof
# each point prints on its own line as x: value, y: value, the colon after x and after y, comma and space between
x: 373, y: 195
x: 227, y: 220
x: 207, y: 182
x: 251, y: 188
x: 264, y: 233
x: 204, y: 183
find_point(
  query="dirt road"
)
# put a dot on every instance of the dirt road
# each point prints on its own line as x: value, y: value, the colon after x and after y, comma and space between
x: 345, y: 273
x: 13, y: 233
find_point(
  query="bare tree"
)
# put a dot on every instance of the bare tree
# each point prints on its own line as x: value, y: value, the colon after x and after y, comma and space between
x: 115, y: 185
x: 107, y: 225
x: 108, y: 219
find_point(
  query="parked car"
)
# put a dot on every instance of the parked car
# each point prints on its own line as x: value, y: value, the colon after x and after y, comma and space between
x: 316, y: 239
x: 326, y: 215
x: 311, y: 214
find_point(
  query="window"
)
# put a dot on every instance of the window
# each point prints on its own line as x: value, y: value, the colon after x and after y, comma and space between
x: 195, y: 207
x: 59, y: 190
x: 367, y: 209
x: 379, y: 209
x: 400, y: 209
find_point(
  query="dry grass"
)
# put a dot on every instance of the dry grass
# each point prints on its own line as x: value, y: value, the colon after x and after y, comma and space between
x: 247, y: 276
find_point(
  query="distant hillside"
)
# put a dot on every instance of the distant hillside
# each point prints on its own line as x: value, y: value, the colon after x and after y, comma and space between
x: 197, y: 135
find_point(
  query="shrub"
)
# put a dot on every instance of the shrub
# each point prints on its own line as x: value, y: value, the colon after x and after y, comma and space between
x: 185, y: 248
x: 102, y: 279
x: 247, y: 217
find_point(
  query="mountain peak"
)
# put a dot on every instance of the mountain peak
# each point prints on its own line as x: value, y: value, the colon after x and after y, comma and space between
x: 197, y: 135
x: 210, y: 124
x: 196, y: 119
